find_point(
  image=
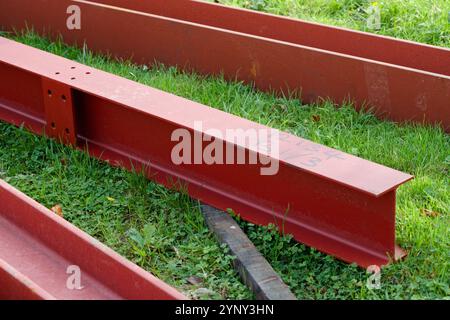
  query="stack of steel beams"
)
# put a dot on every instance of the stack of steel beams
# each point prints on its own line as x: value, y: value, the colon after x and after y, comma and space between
x: 335, y: 202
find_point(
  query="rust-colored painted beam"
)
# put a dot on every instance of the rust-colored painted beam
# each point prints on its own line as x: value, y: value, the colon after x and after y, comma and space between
x: 37, y: 248
x: 400, y: 80
x: 335, y: 202
x: 335, y: 39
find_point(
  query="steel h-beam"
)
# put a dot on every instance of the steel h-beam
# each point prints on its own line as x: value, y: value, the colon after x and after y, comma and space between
x: 400, y: 80
x: 40, y: 252
x: 346, y: 41
x: 335, y: 202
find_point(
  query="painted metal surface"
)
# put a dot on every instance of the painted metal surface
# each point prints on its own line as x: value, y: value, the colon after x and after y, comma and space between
x: 58, y: 105
x: 37, y: 248
x: 335, y: 202
x: 400, y: 80
x: 360, y: 44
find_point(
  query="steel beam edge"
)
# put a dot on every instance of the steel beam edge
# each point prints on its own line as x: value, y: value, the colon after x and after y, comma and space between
x: 16, y: 286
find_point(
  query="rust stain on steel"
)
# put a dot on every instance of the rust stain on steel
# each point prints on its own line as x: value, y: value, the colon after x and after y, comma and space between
x: 338, y: 203
x: 318, y: 61
x: 377, y: 82
x: 37, y: 247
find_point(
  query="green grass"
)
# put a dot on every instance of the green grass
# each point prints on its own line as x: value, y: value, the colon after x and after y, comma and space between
x: 164, y: 232
x: 426, y: 21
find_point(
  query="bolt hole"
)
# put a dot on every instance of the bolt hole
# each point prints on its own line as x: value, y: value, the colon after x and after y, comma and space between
x: 53, y: 125
x: 88, y: 72
x: 67, y: 131
x: 72, y: 67
x: 64, y: 98
x: 57, y: 72
x: 73, y: 78
x: 49, y: 92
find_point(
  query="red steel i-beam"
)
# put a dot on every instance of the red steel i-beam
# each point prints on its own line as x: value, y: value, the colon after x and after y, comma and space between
x: 360, y: 44
x: 335, y: 202
x: 40, y: 251
x: 400, y: 80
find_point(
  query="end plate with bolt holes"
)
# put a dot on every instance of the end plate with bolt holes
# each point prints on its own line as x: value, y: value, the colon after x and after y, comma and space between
x: 60, y: 115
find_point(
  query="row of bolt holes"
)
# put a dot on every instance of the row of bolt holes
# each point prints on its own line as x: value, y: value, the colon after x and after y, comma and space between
x: 73, y: 78
x: 64, y: 99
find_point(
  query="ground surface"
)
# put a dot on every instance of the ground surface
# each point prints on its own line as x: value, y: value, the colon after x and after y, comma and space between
x: 164, y: 232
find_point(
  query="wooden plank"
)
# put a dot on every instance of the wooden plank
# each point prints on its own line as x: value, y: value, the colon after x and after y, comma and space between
x: 253, y: 268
